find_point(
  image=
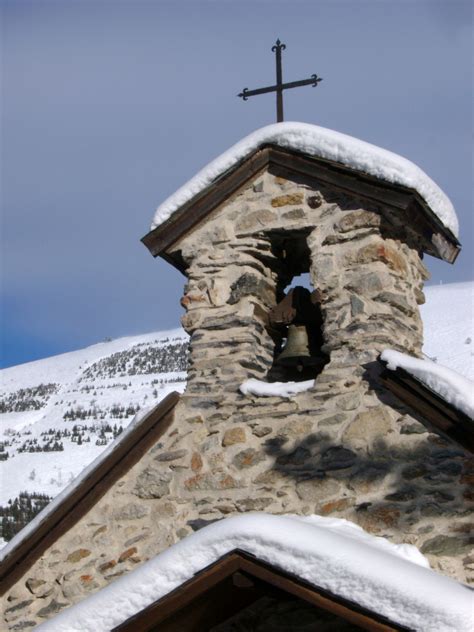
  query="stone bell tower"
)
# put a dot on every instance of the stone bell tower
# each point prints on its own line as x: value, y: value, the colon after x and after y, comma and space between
x: 271, y: 209
x: 287, y: 200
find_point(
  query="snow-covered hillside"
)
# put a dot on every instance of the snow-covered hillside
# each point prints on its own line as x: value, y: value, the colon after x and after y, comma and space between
x: 58, y: 414
x: 448, y: 322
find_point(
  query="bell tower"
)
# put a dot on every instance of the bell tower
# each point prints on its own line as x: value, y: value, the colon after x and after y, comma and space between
x: 268, y: 210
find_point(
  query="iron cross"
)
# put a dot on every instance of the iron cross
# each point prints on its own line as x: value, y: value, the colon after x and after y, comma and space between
x: 280, y: 86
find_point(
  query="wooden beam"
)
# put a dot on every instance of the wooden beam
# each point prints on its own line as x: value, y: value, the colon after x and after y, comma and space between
x: 436, y: 413
x: 72, y: 508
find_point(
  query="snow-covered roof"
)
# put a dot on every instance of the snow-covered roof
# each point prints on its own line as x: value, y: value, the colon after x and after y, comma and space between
x: 454, y: 388
x: 333, y: 554
x: 322, y: 143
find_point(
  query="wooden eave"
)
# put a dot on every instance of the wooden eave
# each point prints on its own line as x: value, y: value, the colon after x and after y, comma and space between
x: 234, y: 582
x: 437, y: 239
x: 74, y: 506
x: 433, y: 411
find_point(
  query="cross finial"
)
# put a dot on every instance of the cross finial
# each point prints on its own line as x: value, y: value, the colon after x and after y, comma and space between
x: 279, y: 86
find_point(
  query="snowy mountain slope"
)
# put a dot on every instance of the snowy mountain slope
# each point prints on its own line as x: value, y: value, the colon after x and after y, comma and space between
x: 58, y: 414
x: 448, y: 322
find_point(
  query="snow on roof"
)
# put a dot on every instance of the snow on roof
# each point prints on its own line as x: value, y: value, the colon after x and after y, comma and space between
x: 274, y: 389
x: 322, y: 143
x: 334, y: 554
x: 454, y: 388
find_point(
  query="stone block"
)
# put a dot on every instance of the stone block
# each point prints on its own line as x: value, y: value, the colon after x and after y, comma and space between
x: 247, y: 458
x: 358, y: 219
x: 286, y: 200
x: 256, y: 220
x: 128, y: 553
x: 369, y: 425
x: 196, y: 462
x: 132, y: 511
x: 173, y: 455
x: 208, y: 480
x: 233, y: 436
x: 379, y: 251
x: 316, y: 489
x: 52, y: 608
x: 77, y: 555
x: 152, y: 483
x: 446, y: 545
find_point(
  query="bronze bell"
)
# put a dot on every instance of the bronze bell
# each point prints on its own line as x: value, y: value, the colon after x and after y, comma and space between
x: 296, y: 353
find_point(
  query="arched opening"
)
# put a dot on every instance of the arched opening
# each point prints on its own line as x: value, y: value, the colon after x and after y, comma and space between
x: 296, y: 322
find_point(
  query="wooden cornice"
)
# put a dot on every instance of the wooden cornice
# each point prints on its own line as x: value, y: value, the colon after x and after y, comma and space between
x: 437, y: 239
x: 436, y: 413
x: 234, y: 582
x: 90, y: 489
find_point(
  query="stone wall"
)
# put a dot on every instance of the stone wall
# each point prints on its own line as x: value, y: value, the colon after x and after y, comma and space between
x: 345, y: 448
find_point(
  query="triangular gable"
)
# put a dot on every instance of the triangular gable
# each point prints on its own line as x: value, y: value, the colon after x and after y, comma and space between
x: 84, y: 492
x: 423, y: 204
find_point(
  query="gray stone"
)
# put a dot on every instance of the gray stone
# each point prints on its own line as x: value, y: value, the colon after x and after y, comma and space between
x: 53, y: 607
x: 19, y: 606
x: 413, y: 428
x: 171, y: 456
x: 152, y: 483
x: 258, y: 187
x: 253, y: 504
x: 333, y: 420
x: 446, y: 545
x: 357, y: 306
x: 199, y: 523
x: 369, y: 425
x: 131, y: 511
x: 261, y: 431
x: 397, y: 301
x: 137, y: 538
x: 39, y: 587
x: 247, y: 458
x: 23, y: 625
x: 250, y: 285
x: 316, y: 489
x: 369, y: 284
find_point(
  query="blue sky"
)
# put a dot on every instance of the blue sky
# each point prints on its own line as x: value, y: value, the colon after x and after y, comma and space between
x: 109, y: 106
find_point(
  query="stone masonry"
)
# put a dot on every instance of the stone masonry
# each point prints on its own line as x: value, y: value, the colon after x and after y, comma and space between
x: 345, y: 448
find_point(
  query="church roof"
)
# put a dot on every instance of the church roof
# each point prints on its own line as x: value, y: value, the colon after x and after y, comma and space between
x: 391, y: 583
x: 376, y: 166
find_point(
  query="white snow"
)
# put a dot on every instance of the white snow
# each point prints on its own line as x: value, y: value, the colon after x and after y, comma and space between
x: 73, y: 484
x: 49, y: 472
x: 333, y: 554
x: 448, y: 326
x: 451, y: 386
x: 323, y: 143
x: 274, y: 389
